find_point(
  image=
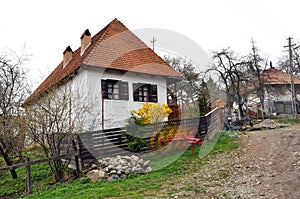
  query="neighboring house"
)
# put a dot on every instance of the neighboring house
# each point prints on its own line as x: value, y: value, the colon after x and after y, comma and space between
x: 114, y: 67
x: 277, y: 92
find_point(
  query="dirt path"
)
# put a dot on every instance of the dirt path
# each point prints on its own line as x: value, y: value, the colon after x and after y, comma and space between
x: 267, y: 165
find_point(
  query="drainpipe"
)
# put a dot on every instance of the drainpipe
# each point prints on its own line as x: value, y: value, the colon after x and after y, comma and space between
x: 102, y: 97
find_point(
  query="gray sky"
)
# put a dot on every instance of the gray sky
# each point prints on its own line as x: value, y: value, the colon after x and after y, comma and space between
x: 46, y: 28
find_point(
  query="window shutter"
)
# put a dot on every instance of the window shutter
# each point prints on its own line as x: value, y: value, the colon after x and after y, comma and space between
x: 104, y: 88
x: 153, y: 93
x: 135, y: 92
x: 123, y: 90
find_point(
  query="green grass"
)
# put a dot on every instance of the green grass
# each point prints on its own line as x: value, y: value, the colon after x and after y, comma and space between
x: 285, y: 120
x: 40, y: 174
x: 135, y: 186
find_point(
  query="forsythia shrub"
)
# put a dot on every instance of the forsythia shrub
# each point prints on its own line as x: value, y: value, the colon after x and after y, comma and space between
x: 150, y: 113
x: 136, y: 124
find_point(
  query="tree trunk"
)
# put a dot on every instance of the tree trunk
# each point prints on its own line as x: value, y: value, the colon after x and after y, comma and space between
x: 262, y: 102
x: 8, y: 163
x: 241, y: 103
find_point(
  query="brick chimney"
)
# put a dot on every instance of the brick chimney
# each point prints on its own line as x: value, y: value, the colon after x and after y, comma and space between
x: 68, y: 53
x: 85, y: 40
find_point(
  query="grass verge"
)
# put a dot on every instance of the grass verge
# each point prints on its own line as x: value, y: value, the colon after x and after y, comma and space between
x: 285, y: 120
x: 135, y: 186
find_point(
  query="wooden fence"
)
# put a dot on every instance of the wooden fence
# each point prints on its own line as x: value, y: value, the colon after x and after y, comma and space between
x: 111, y: 142
x: 28, y: 163
x: 214, y: 122
x: 98, y: 144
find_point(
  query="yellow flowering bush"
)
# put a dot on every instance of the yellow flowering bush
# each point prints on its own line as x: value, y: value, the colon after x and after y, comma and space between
x: 135, y: 128
x: 150, y: 113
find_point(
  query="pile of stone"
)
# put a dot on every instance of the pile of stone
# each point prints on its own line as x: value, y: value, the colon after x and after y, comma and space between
x: 268, y: 124
x: 115, y: 168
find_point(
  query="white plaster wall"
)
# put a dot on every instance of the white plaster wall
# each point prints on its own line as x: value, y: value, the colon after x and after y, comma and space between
x: 115, y: 111
x: 79, y: 97
x: 279, y: 93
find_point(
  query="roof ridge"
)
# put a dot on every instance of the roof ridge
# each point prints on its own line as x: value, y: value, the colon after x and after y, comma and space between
x: 146, y: 46
x: 278, y: 76
x: 108, y: 27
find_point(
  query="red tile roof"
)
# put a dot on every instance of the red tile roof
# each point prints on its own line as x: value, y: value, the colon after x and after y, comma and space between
x: 273, y: 76
x: 114, y: 47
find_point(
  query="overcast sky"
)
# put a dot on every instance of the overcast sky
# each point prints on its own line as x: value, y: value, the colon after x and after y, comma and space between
x: 46, y: 28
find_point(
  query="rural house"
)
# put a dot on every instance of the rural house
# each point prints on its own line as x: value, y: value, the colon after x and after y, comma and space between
x: 278, y: 91
x: 115, y: 72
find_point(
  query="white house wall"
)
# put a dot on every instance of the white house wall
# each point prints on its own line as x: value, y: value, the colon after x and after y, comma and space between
x: 278, y: 93
x: 115, y: 111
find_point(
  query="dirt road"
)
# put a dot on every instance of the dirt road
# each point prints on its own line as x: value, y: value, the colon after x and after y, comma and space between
x: 267, y: 165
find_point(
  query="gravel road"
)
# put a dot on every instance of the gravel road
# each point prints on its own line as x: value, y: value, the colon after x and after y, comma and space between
x: 267, y: 165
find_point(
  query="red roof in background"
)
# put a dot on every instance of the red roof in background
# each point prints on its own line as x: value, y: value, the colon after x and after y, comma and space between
x: 114, y: 47
x: 273, y: 76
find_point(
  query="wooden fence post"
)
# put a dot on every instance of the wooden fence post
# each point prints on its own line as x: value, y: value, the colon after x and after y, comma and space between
x: 28, y: 177
x: 220, y: 112
x: 78, y: 172
x: 206, y: 128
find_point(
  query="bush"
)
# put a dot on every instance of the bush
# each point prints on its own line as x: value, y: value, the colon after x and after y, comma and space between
x: 135, y: 132
x: 136, y: 128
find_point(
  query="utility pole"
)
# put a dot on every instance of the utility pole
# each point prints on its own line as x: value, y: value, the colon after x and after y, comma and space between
x: 153, y: 41
x: 294, y: 108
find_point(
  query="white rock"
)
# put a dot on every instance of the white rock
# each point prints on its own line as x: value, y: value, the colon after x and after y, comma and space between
x: 93, y: 175
x: 123, y: 162
x: 113, y: 171
x: 118, y: 167
x: 101, y: 174
x: 140, y: 162
x: 134, y: 157
x: 138, y: 170
x: 128, y: 171
x: 94, y: 166
x: 113, y: 177
x: 124, y: 168
x: 148, y: 169
x: 146, y: 164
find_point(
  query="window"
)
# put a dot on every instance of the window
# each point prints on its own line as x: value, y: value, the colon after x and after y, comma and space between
x: 114, y: 89
x: 144, y: 92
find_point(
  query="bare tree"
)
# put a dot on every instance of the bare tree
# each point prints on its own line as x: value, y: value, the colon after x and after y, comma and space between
x: 187, y: 90
x: 214, y: 90
x: 257, y: 65
x: 12, y: 95
x: 284, y: 61
x: 231, y: 70
x: 53, y: 121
